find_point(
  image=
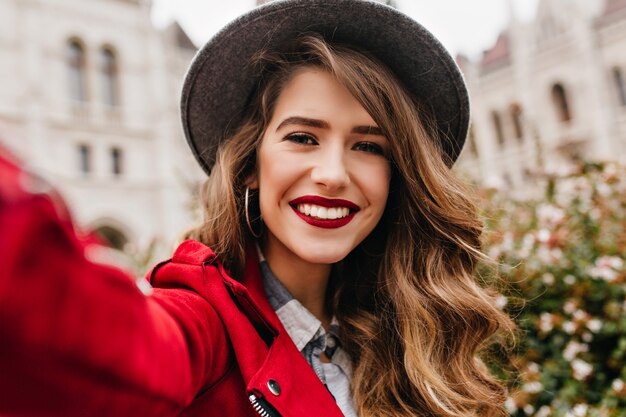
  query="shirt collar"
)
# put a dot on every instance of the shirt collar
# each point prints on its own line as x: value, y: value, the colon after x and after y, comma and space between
x: 301, y: 325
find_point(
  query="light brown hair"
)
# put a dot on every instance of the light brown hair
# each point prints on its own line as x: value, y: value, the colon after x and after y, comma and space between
x: 412, y: 315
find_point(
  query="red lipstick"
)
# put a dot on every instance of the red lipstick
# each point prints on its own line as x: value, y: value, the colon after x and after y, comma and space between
x: 325, y: 202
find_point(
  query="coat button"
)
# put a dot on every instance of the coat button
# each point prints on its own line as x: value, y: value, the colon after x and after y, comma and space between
x: 273, y: 387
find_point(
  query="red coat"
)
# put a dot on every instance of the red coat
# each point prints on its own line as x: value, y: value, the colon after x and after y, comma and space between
x: 77, y: 338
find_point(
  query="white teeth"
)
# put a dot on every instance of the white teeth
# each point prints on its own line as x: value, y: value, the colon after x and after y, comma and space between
x: 323, y: 212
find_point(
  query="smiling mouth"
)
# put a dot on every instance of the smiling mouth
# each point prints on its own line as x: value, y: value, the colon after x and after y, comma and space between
x: 324, y: 212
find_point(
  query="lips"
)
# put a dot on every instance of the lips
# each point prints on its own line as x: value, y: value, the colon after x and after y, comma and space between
x: 324, y: 212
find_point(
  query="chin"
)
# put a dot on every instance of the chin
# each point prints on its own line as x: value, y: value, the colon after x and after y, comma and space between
x: 324, y: 255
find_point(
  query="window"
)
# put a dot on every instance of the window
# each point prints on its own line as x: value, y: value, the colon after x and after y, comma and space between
x: 112, y: 236
x: 84, y: 159
x: 76, y: 67
x: 116, y: 161
x: 497, y: 127
x: 516, y: 118
x: 561, y: 104
x: 108, y: 77
x: 618, y: 78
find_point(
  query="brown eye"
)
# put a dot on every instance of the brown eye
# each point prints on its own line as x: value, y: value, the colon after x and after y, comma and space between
x: 369, y: 147
x: 302, y: 138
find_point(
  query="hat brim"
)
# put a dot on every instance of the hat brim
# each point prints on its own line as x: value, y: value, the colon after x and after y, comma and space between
x: 219, y: 84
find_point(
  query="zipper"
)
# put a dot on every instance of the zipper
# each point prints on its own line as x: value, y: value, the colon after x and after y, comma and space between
x: 262, y: 407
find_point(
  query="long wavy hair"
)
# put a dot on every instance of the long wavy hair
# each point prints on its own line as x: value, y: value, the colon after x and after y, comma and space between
x: 413, y: 317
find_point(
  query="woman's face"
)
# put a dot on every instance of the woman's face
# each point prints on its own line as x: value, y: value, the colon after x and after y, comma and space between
x: 323, y: 171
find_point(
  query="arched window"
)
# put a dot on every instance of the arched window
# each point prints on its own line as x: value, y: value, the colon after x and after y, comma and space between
x: 618, y: 78
x: 516, y: 118
x: 497, y: 127
x: 108, y: 77
x: 77, y: 71
x: 112, y: 236
x: 561, y: 104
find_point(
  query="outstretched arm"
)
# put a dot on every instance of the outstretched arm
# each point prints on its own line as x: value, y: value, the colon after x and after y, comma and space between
x: 77, y: 337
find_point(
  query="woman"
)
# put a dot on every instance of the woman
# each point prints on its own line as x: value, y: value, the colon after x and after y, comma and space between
x: 339, y: 275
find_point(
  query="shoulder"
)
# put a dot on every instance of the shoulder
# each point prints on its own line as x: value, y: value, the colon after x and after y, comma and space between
x: 187, y: 267
x: 194, y: 253
x: 189, y: 287
x: 189, y: 254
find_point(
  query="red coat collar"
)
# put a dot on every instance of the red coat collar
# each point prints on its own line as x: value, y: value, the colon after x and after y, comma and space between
x: 277, y: 360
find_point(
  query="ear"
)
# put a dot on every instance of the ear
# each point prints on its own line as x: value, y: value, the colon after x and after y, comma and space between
x: 252, y: 181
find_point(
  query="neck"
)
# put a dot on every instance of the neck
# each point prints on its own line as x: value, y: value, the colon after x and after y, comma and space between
x: 306, y: 281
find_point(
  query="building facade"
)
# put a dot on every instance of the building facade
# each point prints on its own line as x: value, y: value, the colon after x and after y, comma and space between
x: 549, y: 91
x: 89, y: 94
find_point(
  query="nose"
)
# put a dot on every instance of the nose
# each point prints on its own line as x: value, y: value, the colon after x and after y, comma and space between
x: 330, y: 170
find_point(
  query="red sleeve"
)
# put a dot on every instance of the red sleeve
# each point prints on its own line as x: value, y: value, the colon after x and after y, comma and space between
x: 78, y: 338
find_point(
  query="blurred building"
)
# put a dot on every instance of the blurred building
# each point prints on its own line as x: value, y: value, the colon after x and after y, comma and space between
x: 89, y: 98
x: 549, y: 90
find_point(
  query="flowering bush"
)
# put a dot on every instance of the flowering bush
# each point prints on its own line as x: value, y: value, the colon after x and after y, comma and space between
x: 562, y: 260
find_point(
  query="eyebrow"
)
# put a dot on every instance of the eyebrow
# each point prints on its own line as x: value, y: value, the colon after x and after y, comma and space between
x: 322, y: 124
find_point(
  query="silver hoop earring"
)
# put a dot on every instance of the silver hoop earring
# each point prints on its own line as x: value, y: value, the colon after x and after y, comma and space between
x: 250, y: 228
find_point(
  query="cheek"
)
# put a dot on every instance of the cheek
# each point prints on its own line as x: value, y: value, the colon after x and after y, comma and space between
x: 277, y: 169
x: 376, y: 184
x: 276, y: 174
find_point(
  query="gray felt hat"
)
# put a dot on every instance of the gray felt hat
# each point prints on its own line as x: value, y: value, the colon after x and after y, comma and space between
x: 219, y: 82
